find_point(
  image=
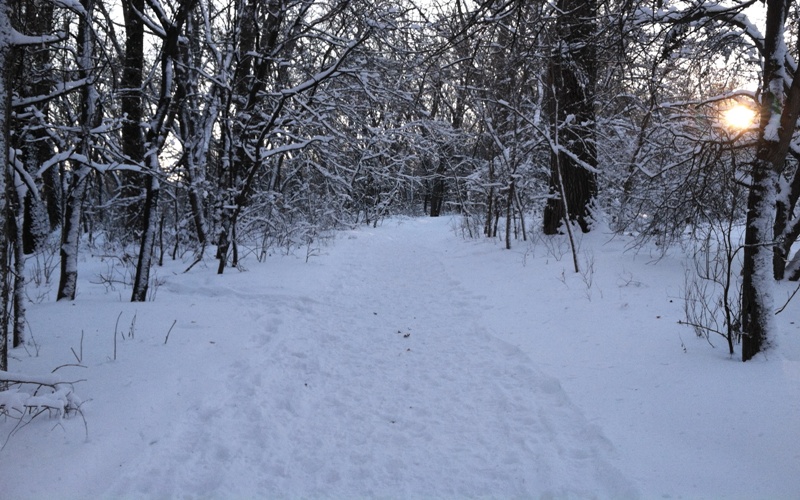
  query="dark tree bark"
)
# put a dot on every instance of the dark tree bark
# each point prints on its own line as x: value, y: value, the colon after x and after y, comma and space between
x: 509, y: 211
x: 33, y: 78
x: 34, y: 232
x: 5, y: 110
x: 132, y: 106
x: 490, y: 204
x: 437, y: 190
x: 571, y: 89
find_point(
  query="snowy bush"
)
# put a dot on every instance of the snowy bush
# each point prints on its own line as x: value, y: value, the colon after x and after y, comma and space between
x: 712, y: 293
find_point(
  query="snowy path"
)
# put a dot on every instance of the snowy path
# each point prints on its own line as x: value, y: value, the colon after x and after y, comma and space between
x: 405, y: 362
x: 386, y: 384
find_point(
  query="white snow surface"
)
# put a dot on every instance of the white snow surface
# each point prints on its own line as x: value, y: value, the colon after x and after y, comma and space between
x: 405, y: 362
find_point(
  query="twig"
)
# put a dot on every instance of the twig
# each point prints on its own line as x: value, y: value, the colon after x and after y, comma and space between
x: 21, y: 378
x: 198, y: 259
x: 703, y: 327
x: 79, y: 358
x: 116, y: 325
x: 69, y: 365
x: 787, y: 301
x: 168, y: 331
x: 132, y: 331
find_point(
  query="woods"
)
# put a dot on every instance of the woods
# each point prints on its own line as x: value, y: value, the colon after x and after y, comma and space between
x: 176, y: 129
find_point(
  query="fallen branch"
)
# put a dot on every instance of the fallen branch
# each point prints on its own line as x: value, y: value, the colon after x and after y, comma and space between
x: 60, y: 399
x: 24, y: 397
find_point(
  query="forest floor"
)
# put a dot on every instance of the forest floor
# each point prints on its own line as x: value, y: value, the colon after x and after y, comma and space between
x: 404, y: 361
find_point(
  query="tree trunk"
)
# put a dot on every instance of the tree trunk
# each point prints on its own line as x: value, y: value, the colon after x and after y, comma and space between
x: 34, y: 78
x: 160, y: 126
x: 248, y: 80
x: 142, y: 278
x: 70, y: 235
x: 509, y: 212
x: 198, y: 213
x: 71, y: 227
x: 5, y: 108
x: 34, y: 227
x: 131, y: 105
x: 437, y: 191
x: 51, y: 192
x: 757, y: 299
x: 571, y: 88
x: 196, y: 128
x: 15, y: 218
x: 786, y: 229
x: 490, y: 202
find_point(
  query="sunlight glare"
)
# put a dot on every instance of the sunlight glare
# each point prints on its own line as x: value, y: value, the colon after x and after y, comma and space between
x: 739, y: 117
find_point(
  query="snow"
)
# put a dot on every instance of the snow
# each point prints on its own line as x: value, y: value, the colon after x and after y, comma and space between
x: 773, y: 128
x: 405, y: 362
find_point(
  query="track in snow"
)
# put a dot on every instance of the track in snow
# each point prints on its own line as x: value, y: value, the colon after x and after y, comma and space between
x: 376, y: 377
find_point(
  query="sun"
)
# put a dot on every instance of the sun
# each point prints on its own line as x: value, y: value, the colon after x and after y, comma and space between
x: 739, y: 117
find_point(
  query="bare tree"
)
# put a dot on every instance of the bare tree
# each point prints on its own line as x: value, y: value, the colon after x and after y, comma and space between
x: 265, y: 92
x: 780, y: 107
x: 170, y: 30
x: 89, y: 118
x: 710, y: 30
x: 570, y: 84
x: 16, y: 184
x: 6, y: 43
x: 133, y: 109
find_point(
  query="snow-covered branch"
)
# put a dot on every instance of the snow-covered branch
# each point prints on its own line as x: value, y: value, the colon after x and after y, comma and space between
x: 18, y: 39
x: 59, y: 89
x: 710, y: 100
x: 15, y: 402
x: 323, y: 75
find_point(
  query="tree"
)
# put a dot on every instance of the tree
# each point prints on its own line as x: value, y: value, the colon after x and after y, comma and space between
x: 90, y: 116
x: 196, y: 118
x: 31, y: 78
x: 269, y: 92
x: 6, y: 41
x: 158, y: 128
x: 780, y: 107
x: 16, y: 184
x: 570, y: 84
x: 772, y: 187
x: 132, y: 107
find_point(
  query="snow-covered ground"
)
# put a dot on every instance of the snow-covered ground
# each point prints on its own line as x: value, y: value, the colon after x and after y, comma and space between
x: 405, y: 362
